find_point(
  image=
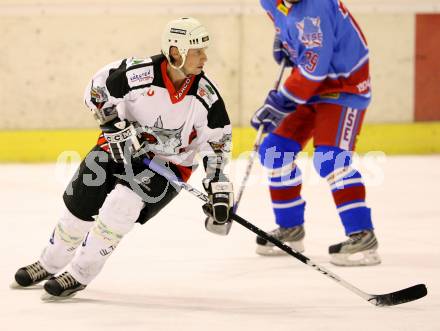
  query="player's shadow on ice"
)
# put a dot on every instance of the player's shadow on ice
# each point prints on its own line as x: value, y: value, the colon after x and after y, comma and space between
x: 183, y: 303
x: 208, y: 305
x: 14, y: 287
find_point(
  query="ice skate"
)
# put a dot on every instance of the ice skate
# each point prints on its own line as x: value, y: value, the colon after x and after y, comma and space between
x: 359, y: 250
x: 30, y: 275
x: 292, y: 237
x: 61, y: 287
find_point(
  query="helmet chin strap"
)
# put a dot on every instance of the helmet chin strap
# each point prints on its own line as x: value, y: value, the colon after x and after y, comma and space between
x: 180, y: 67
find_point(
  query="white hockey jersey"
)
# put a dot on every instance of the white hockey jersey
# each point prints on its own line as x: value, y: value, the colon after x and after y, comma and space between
x: 177, y: 124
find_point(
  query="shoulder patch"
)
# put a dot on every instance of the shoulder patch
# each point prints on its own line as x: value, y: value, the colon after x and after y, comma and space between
x: 133, y: 61
x: 140, y: 76
x: 206, y: 91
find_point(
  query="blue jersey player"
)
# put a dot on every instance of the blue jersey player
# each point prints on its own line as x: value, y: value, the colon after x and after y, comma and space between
x: 325, y: 98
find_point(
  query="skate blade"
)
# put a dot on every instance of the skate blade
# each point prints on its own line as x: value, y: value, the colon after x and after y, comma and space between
x: 47, y: 297
x: 359, y: 259
x: 15, y: 286
x: 267, y: 250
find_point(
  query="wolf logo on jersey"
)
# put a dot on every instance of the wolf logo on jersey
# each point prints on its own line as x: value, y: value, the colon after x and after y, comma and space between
x: 164, y: 141
x: 310, y: 33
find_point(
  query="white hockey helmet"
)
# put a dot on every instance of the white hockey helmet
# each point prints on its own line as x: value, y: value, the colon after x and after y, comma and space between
x: 184, y: 33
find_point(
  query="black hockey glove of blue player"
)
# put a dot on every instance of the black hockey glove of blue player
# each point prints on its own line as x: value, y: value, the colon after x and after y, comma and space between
x: 122, y: 139
x: 219, y: 207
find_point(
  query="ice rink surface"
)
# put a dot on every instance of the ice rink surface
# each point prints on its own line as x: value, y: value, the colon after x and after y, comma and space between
x: 170, y: 274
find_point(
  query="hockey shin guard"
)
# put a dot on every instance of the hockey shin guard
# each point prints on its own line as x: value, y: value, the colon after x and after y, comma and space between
x: 66, y: 237
x: 116, y: 218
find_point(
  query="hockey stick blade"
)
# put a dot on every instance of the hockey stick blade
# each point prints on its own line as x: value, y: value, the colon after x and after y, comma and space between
x: 396, y: 298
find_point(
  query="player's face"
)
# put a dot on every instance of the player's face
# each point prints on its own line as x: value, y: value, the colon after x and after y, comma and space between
x: 195, y: 60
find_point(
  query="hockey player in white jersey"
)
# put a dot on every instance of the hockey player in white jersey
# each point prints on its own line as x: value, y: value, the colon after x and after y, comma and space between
x: 161, y: 108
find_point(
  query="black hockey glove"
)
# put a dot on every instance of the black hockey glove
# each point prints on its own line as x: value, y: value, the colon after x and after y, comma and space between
x: 219, y: 207
x: 122, y: 139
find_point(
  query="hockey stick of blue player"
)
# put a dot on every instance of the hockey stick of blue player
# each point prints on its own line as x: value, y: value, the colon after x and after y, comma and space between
x: 390, y: 299
x: 257, y: 143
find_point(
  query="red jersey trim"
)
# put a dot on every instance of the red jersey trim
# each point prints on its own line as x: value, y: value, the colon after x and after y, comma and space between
x: 303, y: 88
x: 175, y: 96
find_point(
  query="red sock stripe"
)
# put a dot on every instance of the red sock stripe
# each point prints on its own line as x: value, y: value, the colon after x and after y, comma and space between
x: 349, y: 194
x: 285, y: 194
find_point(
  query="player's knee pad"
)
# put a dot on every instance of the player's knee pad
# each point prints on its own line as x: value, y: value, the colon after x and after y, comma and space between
x: 120, y: 210
x: 327, y: 159
x: 276, y: 151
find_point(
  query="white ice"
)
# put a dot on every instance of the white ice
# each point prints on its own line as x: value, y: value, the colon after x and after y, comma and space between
x: 170, y: 274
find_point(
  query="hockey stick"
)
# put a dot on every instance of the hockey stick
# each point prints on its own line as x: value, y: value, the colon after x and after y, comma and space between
x: 256, y: 146
x: 390, y: 299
